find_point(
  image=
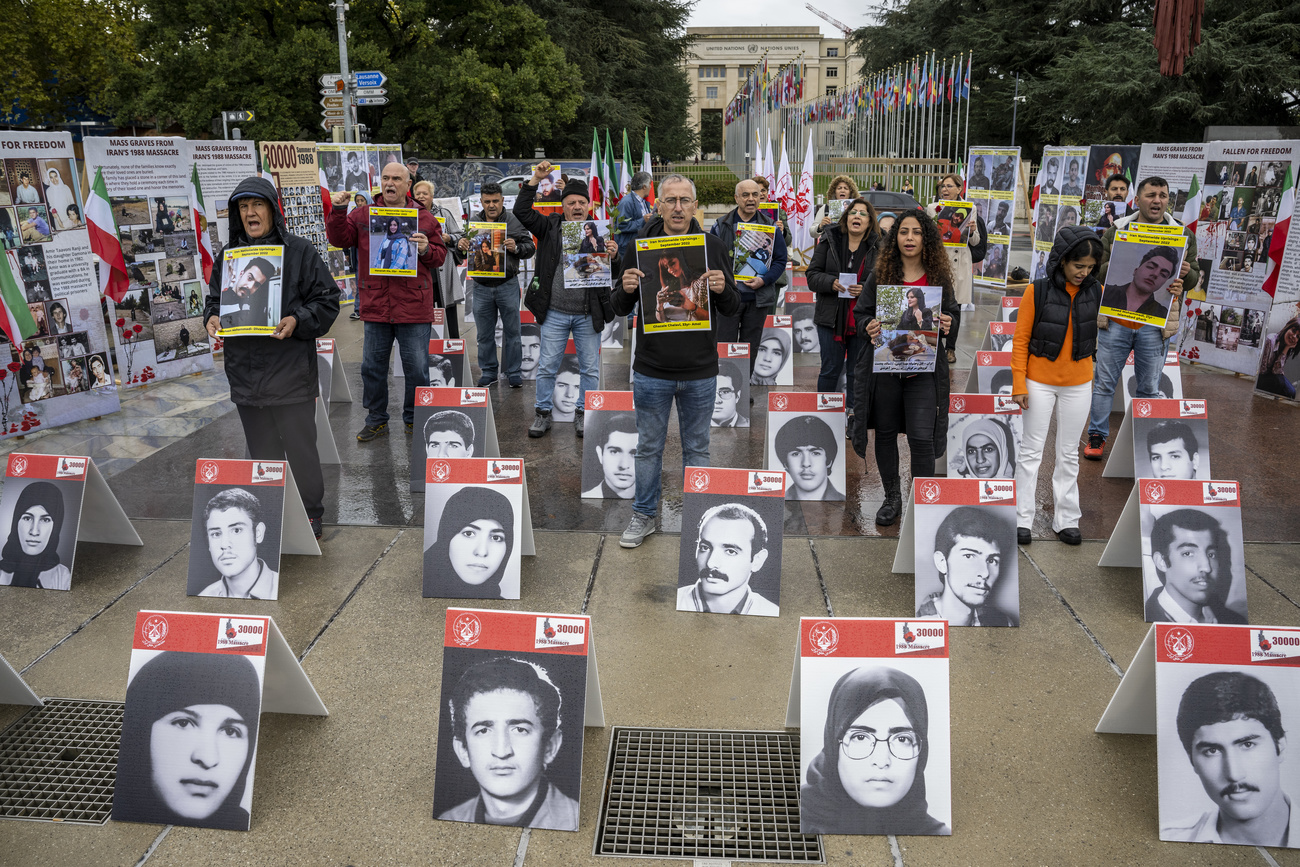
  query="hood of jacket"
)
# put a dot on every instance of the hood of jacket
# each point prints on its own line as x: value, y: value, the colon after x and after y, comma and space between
x: 1066, y: 240
x: 263, y: 189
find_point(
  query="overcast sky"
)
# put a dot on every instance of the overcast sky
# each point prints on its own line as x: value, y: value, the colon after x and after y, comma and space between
x: 777, y: 13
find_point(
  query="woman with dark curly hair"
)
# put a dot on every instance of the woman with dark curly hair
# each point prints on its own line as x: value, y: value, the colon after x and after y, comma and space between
x: 912, y: 403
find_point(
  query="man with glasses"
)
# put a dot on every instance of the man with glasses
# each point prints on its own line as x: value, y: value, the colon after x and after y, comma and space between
x: 726, y: 400
x: 676, y: 366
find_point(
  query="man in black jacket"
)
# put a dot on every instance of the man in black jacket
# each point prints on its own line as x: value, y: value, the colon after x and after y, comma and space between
x: 273, y: 380
x: 499, y: 296
x: 673, y: 364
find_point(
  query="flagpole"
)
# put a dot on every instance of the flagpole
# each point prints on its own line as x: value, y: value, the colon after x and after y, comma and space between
x: 969, y: 63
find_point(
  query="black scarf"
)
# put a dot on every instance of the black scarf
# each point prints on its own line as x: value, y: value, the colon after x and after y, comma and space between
x: 27, y: 568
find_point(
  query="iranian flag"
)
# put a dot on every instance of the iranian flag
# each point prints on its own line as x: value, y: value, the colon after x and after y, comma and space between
x: 200, y: 211
x: 769, y: 164
x: 1192, y: 208
x: 609, y: 178
x: 625, y: 171
x: 1033, y: 197
x: 18, y: 323
x: 594, y: 186
x: 113, y: 281
x: 1281, y: 229
x: 647, y: 166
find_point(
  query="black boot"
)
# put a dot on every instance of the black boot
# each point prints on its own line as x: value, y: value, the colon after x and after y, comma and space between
x: 893, y: 505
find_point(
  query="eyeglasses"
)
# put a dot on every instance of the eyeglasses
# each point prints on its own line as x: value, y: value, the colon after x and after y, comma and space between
x: 726, y: 392
x: 858, y: 744
x: 681, y: 202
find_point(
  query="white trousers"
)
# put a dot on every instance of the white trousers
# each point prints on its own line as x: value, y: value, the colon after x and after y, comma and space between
x: 1070, y: 404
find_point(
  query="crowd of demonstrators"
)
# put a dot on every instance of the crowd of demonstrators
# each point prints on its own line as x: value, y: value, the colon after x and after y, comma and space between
x: 447, y: 288
x: 498, y: 297
x: 963, y: 258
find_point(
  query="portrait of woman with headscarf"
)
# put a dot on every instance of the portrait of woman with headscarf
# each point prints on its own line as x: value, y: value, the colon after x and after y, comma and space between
x: 30, y: 557
x: 987, y: 451
x: 869, y: 777
x: 189, y: 737
x: 470, y: 555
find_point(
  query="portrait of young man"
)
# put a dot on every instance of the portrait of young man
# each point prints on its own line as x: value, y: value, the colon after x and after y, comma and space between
x: 449, y: 434
x: 616, y: 441
x: 530, y: 339
x: 1192, y: 558
x: 972, y: 547
x: 1155, y: 271
x: 1173, y: 450
x: 807, y: 449
x: 568, y: 389
x: 805, y: 330
x: 234, y: 524
x: 731, y: 547
x: 728, y: 410
x: 1230, y: 726
x: 442, y: 372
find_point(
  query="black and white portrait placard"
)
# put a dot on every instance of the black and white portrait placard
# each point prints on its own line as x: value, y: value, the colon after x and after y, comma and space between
x: 805, y: 437
x: 516, y: 693
x: 991, y: 373
x: 871, y: 699
x: 772, y: 364
x: 731, y: 394
x: 447, y: 363
x: 451, y: 423
x: 998, y: 338
x: 1009, y: 308
x: 1162, y: 439
x: 236, y: 530
x: 733, y: 523
x: 41, y: 511
x: 800, y: 306
x: 985, y: 432
x: 475, y: 512
x: 609, y: 446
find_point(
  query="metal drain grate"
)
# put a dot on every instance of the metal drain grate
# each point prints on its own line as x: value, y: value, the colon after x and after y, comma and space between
x: 680, y: 793
x: 58, y: 762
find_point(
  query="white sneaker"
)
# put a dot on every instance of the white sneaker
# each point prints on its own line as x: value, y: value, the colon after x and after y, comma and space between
x: 637, y: 529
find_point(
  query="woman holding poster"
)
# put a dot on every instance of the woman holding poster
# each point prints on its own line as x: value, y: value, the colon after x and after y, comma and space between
x: 963, y: 258
x: 911, y: 403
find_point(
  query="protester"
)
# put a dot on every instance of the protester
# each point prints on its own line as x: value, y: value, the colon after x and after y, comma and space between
x: 963, y: 258
x: 561, y: 310
x: 273, y: 379
x: 633, y: 211
x: 782, y: 222
x: 893, y: 403
x: 841, y: 188
x: 1051, y: 371
x: 499, y: 296
x: 851, y: 246
x: 395, y: 308
x: 447, y: 278
x: 679, y: 367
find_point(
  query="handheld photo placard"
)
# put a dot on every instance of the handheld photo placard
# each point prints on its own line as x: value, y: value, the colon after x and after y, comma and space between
x: 451, y: 423
x: 1220, y: 700
x: 487, y: 251
x: 250, y: 290
x: 954, y: 221
x: 799, y: 306
x: 733, y: 524
x: 999, y: 337
x: 517, y: 689
x: 49, y: 503
x: 447, y: 363
x: 1171, y: 382
x: 804, y: 432
x: 753, y: 249
x: 197, y: 687
x: 871, y: 699
x: 334, y: 386
x: 959, y: 538
x: 991, y: 374
x: 731, y: 394
x: 586, y: 264
x: 392, y: 252
x: 674, y: 292
x: 772, y: 356
x: 909, y: 327
x: 476, y: 527
x: 834, y: 209
x: 609, y: 447
x: 550, y: 185
x: 1141, y: 267
x: 1162, y: 439
x: 985, y: 434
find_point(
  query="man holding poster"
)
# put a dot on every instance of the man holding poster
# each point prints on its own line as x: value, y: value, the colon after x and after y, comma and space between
x: 273, y: 378
x: 757, y: 254
x: 673, y: 363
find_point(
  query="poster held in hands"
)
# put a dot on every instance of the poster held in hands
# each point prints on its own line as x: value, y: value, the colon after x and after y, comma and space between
x: 250, y: 291
x: 753, y: 249
x: 487, y: 251
x: 674, y: 290
x: 954, y: 221
x: 586, y: 263
x: 1142, y: 266
x: 392, y: 252
x: 909, y: 329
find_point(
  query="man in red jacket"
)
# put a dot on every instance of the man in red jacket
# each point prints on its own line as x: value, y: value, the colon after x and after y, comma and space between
x: 392, y: 308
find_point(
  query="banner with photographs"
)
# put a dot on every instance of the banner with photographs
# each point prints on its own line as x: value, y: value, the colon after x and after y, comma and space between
x: 993, y: 181
x: 158, y: 326
x: 909, y: 328
x: 344, y: 167
x: 1061, y: 171
x: 487, y: 252
x: 586, y: 262
x: 609, y: 447
x: 473, y: 517
x: 1225, y: 698
x: 41, y: 503
x: 236, y: 528
x: 733, y: 524
x: 293, y: 168
x: 674, y: 290
x: 377, y: 157
x: 985, y: 435
x: 1193, y: 555
x: 1104, y: 162
x: 731, y: 394
x: 964, y: 543
x: 222, y: 165
x: 61, y: 373
x: 874, y: 722
x: 773, y: 364
x: 754, y: 246
x: 804, y: 433
x: 954, y: 221
x: 800, y: 305
x: 517, y: 682
x: 450, y: 423
x: 250, y: 290
x: 392, y: 252
x: 1142, y: 266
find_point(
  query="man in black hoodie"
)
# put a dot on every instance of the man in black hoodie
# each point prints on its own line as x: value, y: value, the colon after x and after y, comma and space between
x: 273, y: 380
x: 672, y: 365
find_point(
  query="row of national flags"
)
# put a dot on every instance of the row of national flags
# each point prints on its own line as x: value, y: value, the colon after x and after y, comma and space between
x: 610, y: 179
x: 928, y: 82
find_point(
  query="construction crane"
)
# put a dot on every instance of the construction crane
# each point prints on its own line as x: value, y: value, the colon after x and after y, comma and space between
x: 835, y: 22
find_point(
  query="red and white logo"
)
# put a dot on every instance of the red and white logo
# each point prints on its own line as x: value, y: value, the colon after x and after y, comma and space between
x: 959, y: 404
x: 1220, y: 492
x: 781, y: 403
x: 699, y: 480
x: 324, y: 344
x: 559, y: 632
x: 441, y: 470
x: 762, y: 482
x: 736, y: 350
x: 930, y: 492
x: 1179, y: 643
x: 1191, y: 407
x: 597, y: 400
x: 500, y: 469
x: 453, y: 345
x: 153, y: 632
x: 1142, y: 408
x: 19, y: 466
x: 986, y: 358
x: 1275, y: 644
x: 70, y: 467
x: 914, y: 636
x: 830, y: 401
x: 209, y: 472
x: 472, y: 395
x: 823, y: 638
x: 268, y: 472
x: 466, y: 629
x: 995, y: 490
x: 426, y: 398
x: 1004, y: 403
x: 1155, y: 492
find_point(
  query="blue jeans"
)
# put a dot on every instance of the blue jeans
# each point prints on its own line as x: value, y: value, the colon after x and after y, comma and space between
x: 413, y: 346
x: 1149, y: 348
x: 488, y: 301
x: 654, y: 400
x: 833, y: 360
x: 555, y: 335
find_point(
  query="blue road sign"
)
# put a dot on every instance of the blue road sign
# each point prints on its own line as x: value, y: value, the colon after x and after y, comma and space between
x: 370, y: 78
